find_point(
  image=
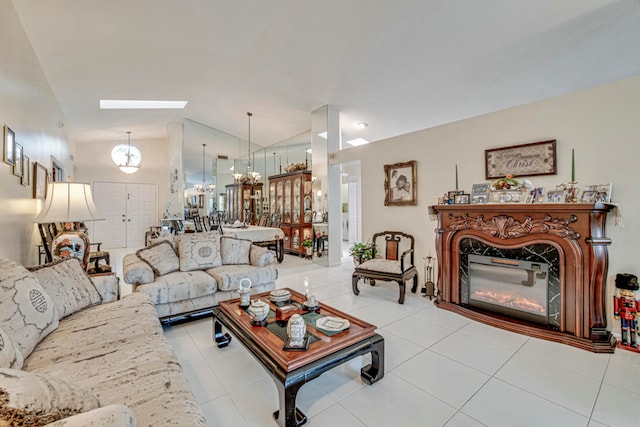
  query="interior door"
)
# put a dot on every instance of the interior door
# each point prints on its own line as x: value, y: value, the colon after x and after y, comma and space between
x: 141, y: 212
x: 111, y: 200
x: 129, y: 211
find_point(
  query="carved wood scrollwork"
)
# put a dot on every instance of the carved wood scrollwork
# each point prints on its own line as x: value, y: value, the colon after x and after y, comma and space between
x: 506, y: 227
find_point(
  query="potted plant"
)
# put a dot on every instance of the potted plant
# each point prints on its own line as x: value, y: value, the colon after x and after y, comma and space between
x: 307, y: 245
x: 361, y: 252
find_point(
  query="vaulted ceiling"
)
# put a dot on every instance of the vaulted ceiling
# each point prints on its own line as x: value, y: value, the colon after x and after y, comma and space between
x: 400, y: 65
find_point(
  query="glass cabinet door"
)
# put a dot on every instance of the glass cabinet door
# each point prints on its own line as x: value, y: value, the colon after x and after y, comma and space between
x: 280, y: 199
x: 257, y: 200
x: 246, y: 203
x: 272, y: 197
x: 287, y: 201
x: 296, y: 200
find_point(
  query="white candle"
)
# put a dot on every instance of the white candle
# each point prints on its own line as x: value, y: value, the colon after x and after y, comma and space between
x: 306, y: 286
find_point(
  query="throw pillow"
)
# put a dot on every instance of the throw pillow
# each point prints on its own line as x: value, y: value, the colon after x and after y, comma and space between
x: 9, y: 357
x: 68, y: 285
x: 161, y: 257
x: 234, y: 251
x: 34, y: 400
x: 199, y: 251
x: 27, y: 312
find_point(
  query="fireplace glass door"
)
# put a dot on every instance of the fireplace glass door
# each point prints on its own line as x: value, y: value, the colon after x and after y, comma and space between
x: 512, y: 287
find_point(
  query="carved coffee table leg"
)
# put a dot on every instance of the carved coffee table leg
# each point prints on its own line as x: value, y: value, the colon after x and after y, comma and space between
x: 222, y: 340
x: 287, y: 392
x: 280, y: 250
x: 375, y: 371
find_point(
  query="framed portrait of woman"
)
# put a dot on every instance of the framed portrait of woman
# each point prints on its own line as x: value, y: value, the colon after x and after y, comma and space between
x: 401, y: 184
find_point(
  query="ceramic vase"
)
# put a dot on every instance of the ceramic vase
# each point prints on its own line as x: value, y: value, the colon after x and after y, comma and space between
x: 259, y: 310
x: 244, y: 288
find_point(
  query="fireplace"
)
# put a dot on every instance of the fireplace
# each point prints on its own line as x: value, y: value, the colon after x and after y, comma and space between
x: 512, y: 287
x: 537, y: 269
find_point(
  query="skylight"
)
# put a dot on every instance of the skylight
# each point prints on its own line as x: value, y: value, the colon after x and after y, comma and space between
x: 130, y: 104
x: 357, y: 141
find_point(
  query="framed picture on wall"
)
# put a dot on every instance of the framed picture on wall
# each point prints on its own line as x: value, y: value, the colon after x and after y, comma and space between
x: 9, y: 145
x: 400, y: 184
x: 17, y: 161
x: 201, y: 201
x: 26, y: 170
x: 40, y: 179
x: 537, y: 158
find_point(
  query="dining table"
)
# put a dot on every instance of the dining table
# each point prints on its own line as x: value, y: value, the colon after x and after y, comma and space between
x: 272, y: 237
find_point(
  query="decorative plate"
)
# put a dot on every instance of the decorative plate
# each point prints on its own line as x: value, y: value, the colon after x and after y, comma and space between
x: 332, y: 324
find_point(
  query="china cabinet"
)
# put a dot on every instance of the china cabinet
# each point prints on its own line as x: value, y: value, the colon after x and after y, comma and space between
x: 244, y: 201
x: 290, y: 196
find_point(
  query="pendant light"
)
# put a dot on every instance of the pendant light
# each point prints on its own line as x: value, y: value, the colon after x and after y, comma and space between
x: 202, y: 188
x: 253, y: 176
x: 126, y: 156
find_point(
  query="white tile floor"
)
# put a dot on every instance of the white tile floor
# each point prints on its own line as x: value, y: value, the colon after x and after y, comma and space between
x: 441, y: 369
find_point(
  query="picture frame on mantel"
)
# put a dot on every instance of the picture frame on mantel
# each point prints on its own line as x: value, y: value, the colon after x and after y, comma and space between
x: 536, y: 158
x: 401, y: 184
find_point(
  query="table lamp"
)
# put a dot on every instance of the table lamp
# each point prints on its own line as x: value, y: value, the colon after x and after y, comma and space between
x: 69, y: 203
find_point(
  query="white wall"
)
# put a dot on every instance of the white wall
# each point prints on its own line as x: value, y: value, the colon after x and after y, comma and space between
x: 601, y: 123
x: 31, y: 110
x: 93, y: 163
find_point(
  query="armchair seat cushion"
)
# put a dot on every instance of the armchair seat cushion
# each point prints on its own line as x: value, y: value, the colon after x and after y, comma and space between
x: 381, y: 265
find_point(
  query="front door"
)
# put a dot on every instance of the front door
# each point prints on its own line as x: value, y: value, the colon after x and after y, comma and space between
x: 129, y: 210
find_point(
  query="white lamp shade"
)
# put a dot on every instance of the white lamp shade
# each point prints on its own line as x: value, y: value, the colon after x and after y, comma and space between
x: 68, y: 202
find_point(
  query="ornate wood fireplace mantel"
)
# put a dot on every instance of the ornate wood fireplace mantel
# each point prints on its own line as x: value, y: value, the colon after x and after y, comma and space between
x: 577, y: 231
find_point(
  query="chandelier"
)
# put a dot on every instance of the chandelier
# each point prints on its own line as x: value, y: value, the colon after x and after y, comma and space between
x: 204, y: 187
x: 126, y: 156
x: 251, y: 177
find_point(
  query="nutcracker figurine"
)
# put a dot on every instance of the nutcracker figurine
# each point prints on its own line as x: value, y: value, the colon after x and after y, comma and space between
x: 625, y: 308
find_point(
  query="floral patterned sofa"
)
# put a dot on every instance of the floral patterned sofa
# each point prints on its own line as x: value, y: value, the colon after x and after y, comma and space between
x: 71, y: 354
x: 193, y: 272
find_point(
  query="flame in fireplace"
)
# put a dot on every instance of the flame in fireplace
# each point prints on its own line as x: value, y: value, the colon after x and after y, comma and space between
x: 508, y: 300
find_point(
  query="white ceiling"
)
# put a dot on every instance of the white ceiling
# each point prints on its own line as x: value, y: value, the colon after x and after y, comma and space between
x: 400, y: 65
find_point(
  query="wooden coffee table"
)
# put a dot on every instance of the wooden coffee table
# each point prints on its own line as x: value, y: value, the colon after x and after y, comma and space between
x: 291, y: 369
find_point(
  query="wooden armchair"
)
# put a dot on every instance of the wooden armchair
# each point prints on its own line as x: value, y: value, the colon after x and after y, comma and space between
x: 392, y: 261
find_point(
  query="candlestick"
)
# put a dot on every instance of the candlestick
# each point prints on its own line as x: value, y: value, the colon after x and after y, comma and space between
x: 573, y: 165
x: 456, y: 176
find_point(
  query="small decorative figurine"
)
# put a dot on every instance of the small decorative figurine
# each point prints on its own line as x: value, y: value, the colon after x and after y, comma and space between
x: 297, y: 334
x: 625, y: 308
x: 259, y: 310
x: 244, y: 288
x: 311, y: 303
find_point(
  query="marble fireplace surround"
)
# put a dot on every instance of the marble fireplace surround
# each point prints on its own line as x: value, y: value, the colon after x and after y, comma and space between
x: 576, y: 231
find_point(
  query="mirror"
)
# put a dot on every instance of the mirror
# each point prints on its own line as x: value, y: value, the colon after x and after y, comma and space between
x: 227, y: 154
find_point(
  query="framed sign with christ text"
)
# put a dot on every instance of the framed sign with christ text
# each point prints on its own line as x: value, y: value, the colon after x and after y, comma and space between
x: 537, y: 158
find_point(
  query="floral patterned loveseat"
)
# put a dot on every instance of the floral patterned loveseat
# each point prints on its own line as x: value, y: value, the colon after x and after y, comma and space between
x: 193, y: 272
